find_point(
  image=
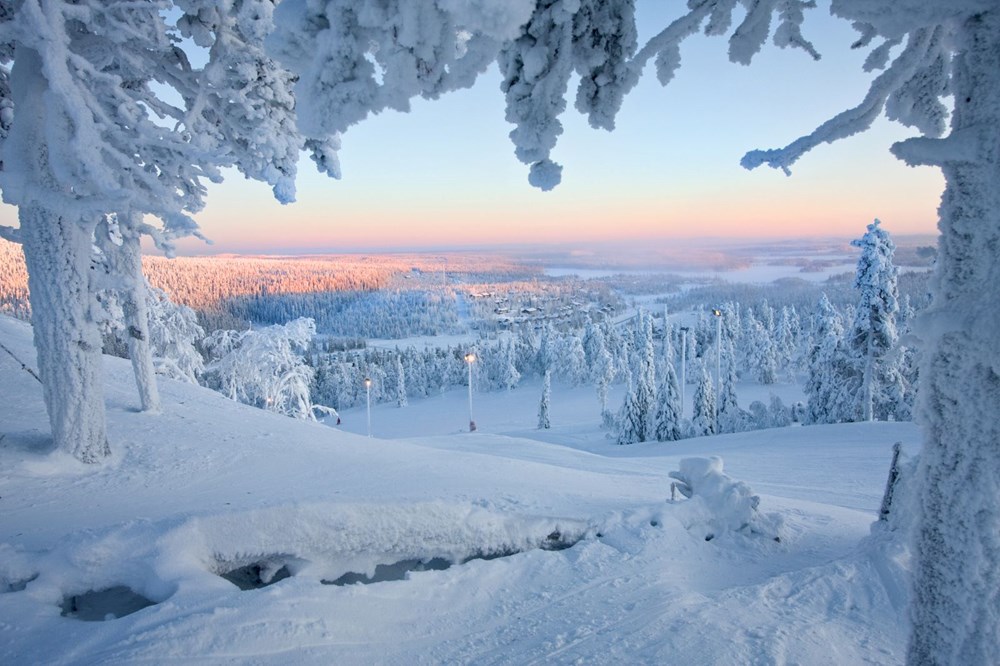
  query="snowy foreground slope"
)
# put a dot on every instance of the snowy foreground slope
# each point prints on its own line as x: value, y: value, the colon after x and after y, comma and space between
x: 209, y: 486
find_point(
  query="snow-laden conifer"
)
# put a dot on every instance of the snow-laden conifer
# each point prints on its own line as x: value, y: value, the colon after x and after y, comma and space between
x: 703, y: 417
x: 399, y: 374
x: 668, y: 419
x: 825, y: 387
x: 876, y: 381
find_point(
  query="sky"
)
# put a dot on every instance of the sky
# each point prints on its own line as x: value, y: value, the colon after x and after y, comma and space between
x: 444, y: 176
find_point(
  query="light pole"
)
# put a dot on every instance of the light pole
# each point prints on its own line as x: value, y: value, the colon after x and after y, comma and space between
x: 718, y: 364
x: 684, y: 353
x: 470, y: 358
x: 368, y: 399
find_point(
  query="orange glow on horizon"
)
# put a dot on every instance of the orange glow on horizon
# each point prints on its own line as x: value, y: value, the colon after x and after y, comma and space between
x: 440, y: 226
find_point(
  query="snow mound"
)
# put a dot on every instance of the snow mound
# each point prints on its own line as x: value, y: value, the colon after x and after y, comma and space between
x: 719, y: 505
x: 249, y: 549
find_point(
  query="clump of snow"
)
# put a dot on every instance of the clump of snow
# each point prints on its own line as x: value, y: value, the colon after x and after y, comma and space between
x: 325, y: 541
x: 720, y: 505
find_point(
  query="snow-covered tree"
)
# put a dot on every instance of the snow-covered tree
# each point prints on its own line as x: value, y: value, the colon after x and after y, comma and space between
x: 630, y: 424
x: 668, y: 418
x: 645, y: 377
x: 787, y: 336
x: 760, y: 348
x: 872, y: 338
x: 399, y: 374
x: 778, y: 414
x: 827, y: 359
x: 547, y: 352
x: 85, y: 134
x: 174, y: 333
x: 508, y: 376
x: 703, y: 417
x: 600, y: 362
x: 120, y: 271
x: 266, y: 368
x: 731, y: 417
x: 543, y: 403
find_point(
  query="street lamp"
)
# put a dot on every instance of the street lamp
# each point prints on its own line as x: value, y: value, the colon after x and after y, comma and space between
x: 684, y: 350
x: 718, y: 364
x: 368, y: 400
x: 470, y: 358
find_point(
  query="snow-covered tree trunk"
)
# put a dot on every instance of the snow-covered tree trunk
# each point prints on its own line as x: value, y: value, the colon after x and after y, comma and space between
x: 125, y: 262
x: 400, y: 373
x: 543, y: 404
x: 57, y: 254
x: 137, y: 321
x: 57, y: 251
x: 867, y: 383
x: 956, y: 609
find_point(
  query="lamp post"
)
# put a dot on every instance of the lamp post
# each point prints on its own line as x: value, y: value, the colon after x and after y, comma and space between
x: 368, y: 400
x: 684, y: 352
x: 470, y: 358
x: 718, y: 364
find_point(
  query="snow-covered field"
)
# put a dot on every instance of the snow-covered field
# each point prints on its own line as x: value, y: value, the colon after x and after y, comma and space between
x: 209, y: 486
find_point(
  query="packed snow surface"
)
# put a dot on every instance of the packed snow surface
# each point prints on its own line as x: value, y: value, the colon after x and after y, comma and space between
x: 508, y: 545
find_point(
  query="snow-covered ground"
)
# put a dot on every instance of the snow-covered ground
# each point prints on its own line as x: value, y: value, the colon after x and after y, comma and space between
x: 208, y: 487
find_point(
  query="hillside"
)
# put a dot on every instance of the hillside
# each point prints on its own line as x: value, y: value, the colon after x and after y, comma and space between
x: 566, y: 549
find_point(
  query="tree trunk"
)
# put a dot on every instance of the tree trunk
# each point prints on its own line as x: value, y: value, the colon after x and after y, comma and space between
x: 868, y: 381
x: 956, y: 603
x: 57, y: 249
x: 57, y: 255
x: 125, y: 262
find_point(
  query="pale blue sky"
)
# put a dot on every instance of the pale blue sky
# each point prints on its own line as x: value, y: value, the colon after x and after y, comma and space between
x: 445, y: 175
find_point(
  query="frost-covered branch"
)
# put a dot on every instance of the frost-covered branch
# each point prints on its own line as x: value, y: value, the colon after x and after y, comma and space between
x: 922, y: 45
x: 358, y: 57
x: 665, y: 46
x: 965, y: 145
x: 244, y: 100
x: 11, y: 234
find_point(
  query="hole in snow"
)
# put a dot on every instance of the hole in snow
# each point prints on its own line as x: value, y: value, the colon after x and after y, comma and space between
x: 16, y: 585
x: 108, y: 604
x: 257, y: 575
x: 398, y: 570
x: 388, y: 572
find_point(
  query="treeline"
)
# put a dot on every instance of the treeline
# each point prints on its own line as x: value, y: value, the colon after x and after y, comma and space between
x: 796, y: 292
x: 231, y: 292
x: 13, y: 281
x: 379, y: 314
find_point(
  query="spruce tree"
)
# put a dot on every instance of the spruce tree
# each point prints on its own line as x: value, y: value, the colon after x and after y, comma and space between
x: 645, y: 386
x: 703, y: 418
x: 731, y: 417
x: 400, y: 378
x: 872, y: 339
x: 668, y: 407
x: 827, y: 361
x: 631, y: 420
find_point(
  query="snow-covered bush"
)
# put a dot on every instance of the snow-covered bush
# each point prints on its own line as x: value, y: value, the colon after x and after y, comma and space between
x: 265, y: 367
x: 719, y: 505
x: 174, y: 333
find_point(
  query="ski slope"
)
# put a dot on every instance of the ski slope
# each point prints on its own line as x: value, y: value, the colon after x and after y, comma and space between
x: 536, y: 547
